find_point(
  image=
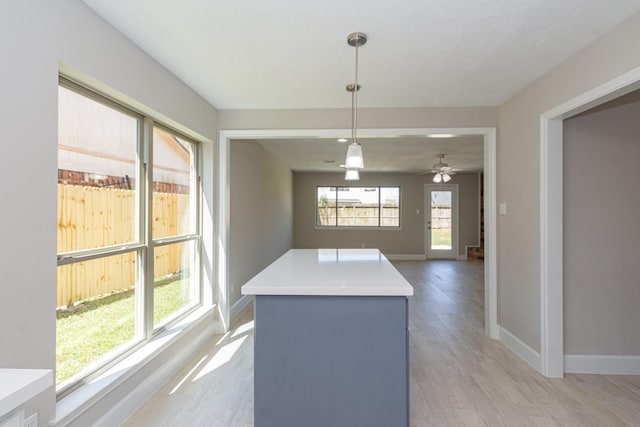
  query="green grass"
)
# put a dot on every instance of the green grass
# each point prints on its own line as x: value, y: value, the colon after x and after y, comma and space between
x: 92, y: 329
x: 440, y: 237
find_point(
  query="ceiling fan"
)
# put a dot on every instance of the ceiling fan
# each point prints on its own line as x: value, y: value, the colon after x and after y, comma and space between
x: 442, y: 172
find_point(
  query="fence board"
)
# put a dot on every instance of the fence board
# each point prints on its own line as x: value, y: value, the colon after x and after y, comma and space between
x: 91, y: 217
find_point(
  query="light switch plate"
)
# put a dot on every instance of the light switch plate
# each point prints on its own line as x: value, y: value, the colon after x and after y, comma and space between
x: 502, y: 209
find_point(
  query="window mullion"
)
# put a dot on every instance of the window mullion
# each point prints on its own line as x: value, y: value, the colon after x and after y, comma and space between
x: 379, y: 205
x: 145, y: 313
x: 336, y: 206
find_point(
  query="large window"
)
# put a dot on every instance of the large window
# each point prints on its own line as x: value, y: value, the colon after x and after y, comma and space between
x: 128, y: 231
x: 358, y: 206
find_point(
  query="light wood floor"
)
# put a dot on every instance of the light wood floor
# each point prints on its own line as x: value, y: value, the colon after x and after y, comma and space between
x: 459, y: 377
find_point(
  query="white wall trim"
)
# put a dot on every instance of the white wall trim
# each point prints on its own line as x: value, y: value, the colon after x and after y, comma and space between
x: 490, y: 236
x: 551, y: 218
x: 405, y: 257
x: 462, y: 257
x: 223, y: 210
x: 551, y: 260
x: 239, y: 305
x: 521, y: 349
x: 490, y: 266
x: 602, y: 364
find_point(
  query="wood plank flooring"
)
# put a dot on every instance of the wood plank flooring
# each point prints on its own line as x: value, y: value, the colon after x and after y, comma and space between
x: 459, y: 377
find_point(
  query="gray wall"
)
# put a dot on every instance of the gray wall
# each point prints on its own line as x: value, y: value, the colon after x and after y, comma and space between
x: 374, y: 118
x: 518, y: 170
x: 601, y: 233
x: 39, y: 36
x: 409, y: 240
x: 261, y: 212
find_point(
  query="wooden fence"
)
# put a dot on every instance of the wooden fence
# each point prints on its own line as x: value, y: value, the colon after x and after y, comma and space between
x: 358, y: 215
x: 441, y: 216
x: 92, y: 217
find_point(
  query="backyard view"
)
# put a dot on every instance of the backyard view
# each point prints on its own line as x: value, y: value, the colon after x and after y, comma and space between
x: 441, y: 238
x: 96, y: 327
x: 103, y: 260
x: 441, y: 220
x: 358, y: 206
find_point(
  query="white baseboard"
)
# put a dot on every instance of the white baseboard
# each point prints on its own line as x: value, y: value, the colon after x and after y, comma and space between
x: 521, y: 349
x: 462, y: 257
x: 409, y: 257
x: 236, y: 308
x: 601, y: 364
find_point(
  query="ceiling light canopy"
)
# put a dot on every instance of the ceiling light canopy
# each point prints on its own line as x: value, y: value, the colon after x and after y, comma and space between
x: 355, y: 159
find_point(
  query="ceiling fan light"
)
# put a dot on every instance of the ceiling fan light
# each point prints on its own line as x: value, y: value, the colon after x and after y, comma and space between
x: 354, y: 157
x: 437, y: 178
x: 352, y: 175
x: 446, y: 177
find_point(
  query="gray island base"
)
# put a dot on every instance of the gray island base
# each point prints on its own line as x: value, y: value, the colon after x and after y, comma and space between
x: 331, y: 360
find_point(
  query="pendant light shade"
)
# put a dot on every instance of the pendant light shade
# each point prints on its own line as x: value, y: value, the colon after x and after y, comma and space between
x: 437, y: 178
x: 352, y: 175
x: 446, y: 177
x: 354, y: 156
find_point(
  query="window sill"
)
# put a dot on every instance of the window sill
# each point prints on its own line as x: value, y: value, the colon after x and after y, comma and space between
x: 76, y: 403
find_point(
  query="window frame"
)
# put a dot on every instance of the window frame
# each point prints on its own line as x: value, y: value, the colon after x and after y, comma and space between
x: 144, y: 245
x: 180, y: 238
x: 379, y: 188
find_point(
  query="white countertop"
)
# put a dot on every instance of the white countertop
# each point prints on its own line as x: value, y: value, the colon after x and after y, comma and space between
x: 17, y: 386
x: 346, y: 272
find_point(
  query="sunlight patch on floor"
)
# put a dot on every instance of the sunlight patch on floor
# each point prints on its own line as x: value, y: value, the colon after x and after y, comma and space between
x: 186, y: 377
x: 222, y: 356
x: 243, y: 329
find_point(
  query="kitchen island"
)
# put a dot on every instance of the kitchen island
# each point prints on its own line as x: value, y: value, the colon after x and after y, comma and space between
x: 331, y: 340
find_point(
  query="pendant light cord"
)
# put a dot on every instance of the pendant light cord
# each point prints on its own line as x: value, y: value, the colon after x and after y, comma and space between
x: 354, y: 104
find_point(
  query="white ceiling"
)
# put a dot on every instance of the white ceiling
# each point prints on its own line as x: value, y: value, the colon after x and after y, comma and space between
x: 293, y: 54
x: 272, y: 54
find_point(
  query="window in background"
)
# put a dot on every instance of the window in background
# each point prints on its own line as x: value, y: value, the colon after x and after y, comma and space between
x: 358, y: 207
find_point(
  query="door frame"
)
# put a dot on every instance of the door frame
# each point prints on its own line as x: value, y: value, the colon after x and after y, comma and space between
x: 454, y: 220
x: 551, y: 214
x: 221, y: 208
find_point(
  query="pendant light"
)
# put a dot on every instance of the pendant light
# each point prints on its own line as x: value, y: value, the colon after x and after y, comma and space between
x: 354, y: 158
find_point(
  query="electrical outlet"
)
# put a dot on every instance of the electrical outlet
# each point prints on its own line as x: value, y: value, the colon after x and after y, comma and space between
x: 31, y: 420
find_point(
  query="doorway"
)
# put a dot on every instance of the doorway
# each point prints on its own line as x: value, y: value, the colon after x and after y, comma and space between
x: 551, y: 219
x: 222, y: 205
x: 441, y: 221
